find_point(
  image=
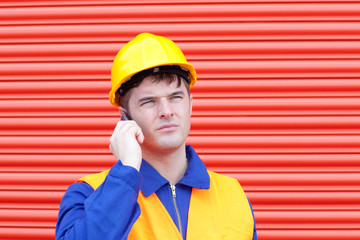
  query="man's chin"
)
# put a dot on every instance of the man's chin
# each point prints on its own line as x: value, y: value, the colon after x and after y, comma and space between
x: 167, y: 145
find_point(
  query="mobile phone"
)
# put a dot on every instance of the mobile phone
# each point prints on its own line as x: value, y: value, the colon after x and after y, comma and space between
x: 124, y: 115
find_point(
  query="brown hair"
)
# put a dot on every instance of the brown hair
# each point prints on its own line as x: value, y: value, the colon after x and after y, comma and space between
x: 168, y: 78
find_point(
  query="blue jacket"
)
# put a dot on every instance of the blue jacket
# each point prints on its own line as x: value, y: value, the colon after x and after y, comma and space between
x: 117, y: 198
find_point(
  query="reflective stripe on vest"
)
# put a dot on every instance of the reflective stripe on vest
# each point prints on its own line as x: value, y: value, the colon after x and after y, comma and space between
x: 221, y: 212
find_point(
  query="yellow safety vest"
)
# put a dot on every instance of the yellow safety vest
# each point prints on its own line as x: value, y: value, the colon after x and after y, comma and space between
x: 221, y: 212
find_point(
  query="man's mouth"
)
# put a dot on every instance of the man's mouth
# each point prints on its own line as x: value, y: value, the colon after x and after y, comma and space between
x: 167, y: 127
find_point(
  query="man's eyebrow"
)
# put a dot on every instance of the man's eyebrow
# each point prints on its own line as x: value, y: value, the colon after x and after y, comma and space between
x: 143, y: 99
x: 177, y: 93
x: 146, y: 99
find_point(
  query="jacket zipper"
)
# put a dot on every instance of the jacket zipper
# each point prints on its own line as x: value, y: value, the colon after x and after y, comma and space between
x: 176, y: 209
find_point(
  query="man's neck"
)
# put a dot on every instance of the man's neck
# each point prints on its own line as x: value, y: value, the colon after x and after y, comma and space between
x: 171, y: 165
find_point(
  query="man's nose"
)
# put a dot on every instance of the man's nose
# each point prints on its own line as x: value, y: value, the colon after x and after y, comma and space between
x: 165, y: 109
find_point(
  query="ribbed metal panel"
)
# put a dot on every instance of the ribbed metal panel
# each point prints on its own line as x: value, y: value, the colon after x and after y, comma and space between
x: 277, y: 104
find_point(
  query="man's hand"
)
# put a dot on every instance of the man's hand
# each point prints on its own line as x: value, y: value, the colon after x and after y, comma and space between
x: 125, y: 143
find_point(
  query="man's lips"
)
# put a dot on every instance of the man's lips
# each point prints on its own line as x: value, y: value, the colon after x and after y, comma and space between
x: 167, y: 127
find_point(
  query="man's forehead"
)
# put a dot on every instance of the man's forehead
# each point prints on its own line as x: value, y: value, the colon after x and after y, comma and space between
x: 148, y: 86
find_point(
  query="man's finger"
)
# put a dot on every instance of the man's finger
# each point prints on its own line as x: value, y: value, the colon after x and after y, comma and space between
x: 139, y: 135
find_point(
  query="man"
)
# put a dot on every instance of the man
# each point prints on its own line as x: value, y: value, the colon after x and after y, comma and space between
x: 158, y: 188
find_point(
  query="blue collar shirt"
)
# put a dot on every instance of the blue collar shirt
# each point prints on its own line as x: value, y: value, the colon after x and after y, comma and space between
x: 196, y: 176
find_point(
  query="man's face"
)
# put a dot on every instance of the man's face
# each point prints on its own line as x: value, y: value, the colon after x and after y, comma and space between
x: 163, y: 113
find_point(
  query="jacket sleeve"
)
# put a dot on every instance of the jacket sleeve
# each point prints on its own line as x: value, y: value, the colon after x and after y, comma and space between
x: 108, y: 213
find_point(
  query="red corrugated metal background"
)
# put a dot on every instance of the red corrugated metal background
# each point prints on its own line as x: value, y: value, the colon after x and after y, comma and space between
x: 277, y: 104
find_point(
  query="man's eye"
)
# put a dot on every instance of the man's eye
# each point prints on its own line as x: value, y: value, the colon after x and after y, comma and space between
x: 147, y: 102
x: 176, y: 97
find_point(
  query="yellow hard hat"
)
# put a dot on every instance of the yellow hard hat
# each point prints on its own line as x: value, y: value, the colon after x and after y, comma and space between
x: 146, y: 51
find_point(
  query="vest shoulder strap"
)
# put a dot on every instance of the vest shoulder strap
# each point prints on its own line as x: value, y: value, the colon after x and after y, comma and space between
x: 95, y: 180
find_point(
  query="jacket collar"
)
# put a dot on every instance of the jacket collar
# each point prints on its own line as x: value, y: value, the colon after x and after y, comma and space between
x: 196, y: 175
